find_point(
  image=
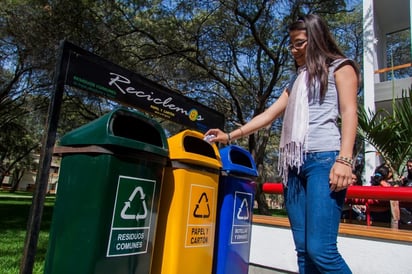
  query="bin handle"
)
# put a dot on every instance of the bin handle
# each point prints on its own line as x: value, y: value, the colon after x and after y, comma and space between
x: 239, y: 176
x: 86, y: 149
x: 180, y: 165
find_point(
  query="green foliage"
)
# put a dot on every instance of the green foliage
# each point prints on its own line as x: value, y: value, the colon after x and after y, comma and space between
x: 20, y: 135
x: 274, y: 212
x: 390, y: 133
x: 14, y: 209
x: 229, y: 55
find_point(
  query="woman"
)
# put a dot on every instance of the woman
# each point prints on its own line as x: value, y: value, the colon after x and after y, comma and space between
x: 315, y: 155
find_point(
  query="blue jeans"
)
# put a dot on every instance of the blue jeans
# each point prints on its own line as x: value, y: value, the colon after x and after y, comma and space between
x: 314, y: 213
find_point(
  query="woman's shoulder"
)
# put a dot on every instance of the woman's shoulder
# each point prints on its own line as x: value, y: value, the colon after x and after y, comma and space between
x: 341, y: 62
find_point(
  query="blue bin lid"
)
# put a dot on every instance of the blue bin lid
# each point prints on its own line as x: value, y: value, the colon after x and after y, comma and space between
x: 237, y: 160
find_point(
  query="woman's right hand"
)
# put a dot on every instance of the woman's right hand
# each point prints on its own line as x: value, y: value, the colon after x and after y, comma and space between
x: 220, y: 136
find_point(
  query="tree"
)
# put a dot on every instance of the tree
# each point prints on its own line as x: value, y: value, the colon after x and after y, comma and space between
x: 28, y: 43
x: 16, y: 145
x: 230, y: 55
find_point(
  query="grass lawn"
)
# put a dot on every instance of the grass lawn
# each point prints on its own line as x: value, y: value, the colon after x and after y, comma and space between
x: 14, y: 211
x: 273, y: 212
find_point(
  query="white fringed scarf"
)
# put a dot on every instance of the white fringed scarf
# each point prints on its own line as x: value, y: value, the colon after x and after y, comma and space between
x: 295, y: 126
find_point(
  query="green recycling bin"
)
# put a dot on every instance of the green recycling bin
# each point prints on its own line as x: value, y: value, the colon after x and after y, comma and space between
x: 104, y: 219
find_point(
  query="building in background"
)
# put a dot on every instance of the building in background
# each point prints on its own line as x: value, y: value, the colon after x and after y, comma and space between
x: 386, y: 59
x: 28, y: 180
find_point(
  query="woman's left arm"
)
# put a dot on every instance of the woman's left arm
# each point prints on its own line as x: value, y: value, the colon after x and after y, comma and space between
x: 347, y: 81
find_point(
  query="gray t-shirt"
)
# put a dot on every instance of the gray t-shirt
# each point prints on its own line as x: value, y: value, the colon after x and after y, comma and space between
x: 324, y: 133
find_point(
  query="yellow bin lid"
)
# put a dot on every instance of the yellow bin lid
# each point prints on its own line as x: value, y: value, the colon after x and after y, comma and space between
x: 189, y: 147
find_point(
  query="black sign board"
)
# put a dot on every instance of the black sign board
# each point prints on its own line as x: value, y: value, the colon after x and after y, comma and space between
x: 98, y: 76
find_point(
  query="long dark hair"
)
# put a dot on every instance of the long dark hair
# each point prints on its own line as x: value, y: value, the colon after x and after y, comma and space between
x: 381, y: 173
x: 321, y: 49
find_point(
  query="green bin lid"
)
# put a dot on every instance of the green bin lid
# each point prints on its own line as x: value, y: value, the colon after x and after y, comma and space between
x: 121, y: 128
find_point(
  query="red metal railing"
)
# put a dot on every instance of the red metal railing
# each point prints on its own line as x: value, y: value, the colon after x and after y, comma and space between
x: 402, y: 194
x: 364, y: 192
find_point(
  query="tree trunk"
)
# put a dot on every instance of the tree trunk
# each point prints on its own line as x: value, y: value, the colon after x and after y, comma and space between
x: 263, y: 207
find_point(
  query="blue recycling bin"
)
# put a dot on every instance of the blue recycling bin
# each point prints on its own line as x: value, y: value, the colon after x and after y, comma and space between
x: 234, y: 211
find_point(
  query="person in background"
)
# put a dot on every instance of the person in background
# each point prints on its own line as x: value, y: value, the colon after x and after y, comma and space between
x: 407, y: 176
x: 315, y: 155
x: 383, y: 177
x: 406, y: 212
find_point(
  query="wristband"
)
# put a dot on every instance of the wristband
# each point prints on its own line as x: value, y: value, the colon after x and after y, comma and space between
x: 345, y: 160
x: 343, y: 163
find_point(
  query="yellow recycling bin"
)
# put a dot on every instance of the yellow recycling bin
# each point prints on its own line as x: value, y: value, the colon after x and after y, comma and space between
x: 187, y: 212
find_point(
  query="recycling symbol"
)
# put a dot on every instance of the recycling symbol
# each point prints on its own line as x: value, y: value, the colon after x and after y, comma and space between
x: 200, y: 212
x: 243, y: 210
x: 126, y: 213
